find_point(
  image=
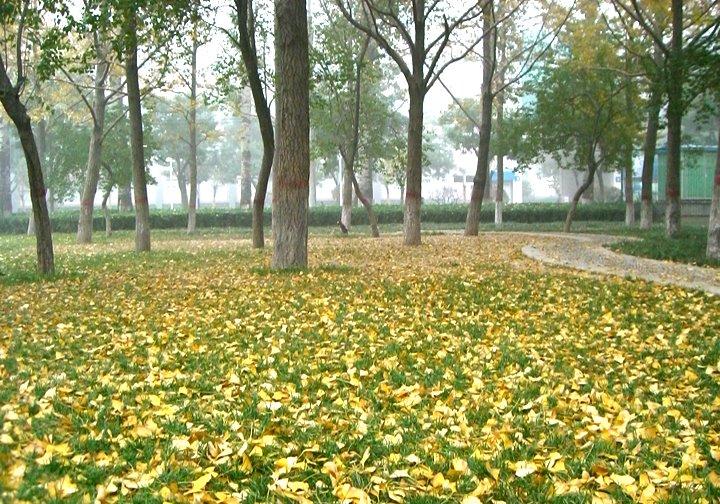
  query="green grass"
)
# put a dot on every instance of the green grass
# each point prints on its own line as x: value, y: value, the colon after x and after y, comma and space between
x: 145, y: 371
x: 689, y: 247
x: 18, y: 267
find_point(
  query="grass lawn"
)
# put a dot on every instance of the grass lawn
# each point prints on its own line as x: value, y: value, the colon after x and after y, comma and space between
x: 689, y: 247
x: 457, y: 371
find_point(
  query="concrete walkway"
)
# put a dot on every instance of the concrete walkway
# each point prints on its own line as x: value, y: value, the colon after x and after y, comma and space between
x: 587, y: 252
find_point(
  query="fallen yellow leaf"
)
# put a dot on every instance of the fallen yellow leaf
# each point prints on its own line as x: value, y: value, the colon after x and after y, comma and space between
x: 199, y: 484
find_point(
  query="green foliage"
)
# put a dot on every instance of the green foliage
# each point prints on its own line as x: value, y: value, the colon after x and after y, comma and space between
x: 462, y: 131
x: 577, y: 108
x: 66, y: 154
x: 229, y: 69
x: 117, y: 163
x: 170, y: 120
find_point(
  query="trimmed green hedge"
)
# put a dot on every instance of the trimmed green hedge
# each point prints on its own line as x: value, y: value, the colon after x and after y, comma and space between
x: 65, y: 221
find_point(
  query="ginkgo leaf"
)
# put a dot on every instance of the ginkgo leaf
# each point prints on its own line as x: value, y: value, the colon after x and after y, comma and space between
x: 622, y: 479
x: 399, y: 473
x: 397, y: 495
x: 412, y: 459
x: 348, y: 494
x: 524, y: 468
x: 199, y: 484
x: 459, y: 466
x: 67, y: 487
x: 382, y: 373
x: 714, y: 478
x: 181, y: 444
x: 715, y: 453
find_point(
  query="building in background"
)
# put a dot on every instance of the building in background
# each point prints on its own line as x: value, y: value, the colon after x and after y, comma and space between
x: 697, y: 175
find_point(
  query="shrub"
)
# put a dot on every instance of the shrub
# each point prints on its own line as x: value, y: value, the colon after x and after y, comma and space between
x: 65, y: 221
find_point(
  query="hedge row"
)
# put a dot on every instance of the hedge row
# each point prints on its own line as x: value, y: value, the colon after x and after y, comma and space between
x: 66, y: 221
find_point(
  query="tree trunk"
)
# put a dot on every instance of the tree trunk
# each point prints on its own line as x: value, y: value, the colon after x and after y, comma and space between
x: 313, y: 184
x: 6, y: 206
x: 10, y: 99
x: 41, y: 143
x: 41, y: 138
x: 366, y: 182
x: 650, y: 145
x: 592, y: 168
x: 142, y: 208
x: 192, y: 206
x: 413, y: 179
x: 587, y: 184
x: 372, y: 54
x: 246, y: 173
x: 500, y: 193
x: 125, y: 198
x: 368, y: 206
x: 646, y: 210
x: 472, y: 222
x: 674, y: 120
x: 106, y: 214
x: 628, y: 186
x: 629, y: 197
x: 713, y: 239
x: 292, y: 167
x: 246, y: 39
x: 92, y: 173
x: 601, y: 188
x: 182, y: 184
x: 347, y: 194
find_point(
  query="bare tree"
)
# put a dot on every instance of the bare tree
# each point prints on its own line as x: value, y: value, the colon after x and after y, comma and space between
x: 10, y: 96
x: 142, y: 207
x: 524, y: 59
x: 349, y: 155
x: 103, y: 95
x: 248, y: 50
x: 425, y: 33
x: 193, y: 138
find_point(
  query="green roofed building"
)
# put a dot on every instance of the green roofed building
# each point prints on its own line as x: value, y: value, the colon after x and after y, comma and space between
x: 696, y: 174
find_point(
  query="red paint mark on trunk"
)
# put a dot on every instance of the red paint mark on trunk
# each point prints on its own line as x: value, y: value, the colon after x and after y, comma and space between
x: 141, y: 202
x: 292, y: 183
x: 412, y: 195
x: 672, y: 194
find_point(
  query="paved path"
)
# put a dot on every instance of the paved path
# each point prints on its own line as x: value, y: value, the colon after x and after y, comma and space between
x: 586, y: 252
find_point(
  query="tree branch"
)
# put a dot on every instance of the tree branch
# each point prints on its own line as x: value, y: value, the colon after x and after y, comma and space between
x: 637, y: 13
x: 528, y: 65
x: 18, y: 48
x: 382, y: 41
